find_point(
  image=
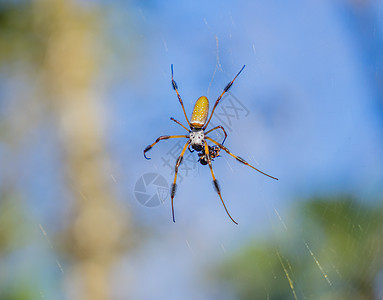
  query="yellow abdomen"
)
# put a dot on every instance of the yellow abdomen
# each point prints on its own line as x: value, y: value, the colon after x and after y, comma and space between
x: 200, y: 112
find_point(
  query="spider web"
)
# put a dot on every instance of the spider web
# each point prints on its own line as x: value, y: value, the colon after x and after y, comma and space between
x: 261, y: 113
x: 258, y: 112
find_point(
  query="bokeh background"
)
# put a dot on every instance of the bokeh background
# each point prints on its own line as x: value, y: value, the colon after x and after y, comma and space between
x: 85, y: 87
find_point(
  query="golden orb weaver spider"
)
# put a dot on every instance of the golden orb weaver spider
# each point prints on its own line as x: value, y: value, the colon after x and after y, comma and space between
x: 197, y: 139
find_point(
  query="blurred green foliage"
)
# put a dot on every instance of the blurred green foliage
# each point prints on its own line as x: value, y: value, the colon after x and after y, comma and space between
x: 56, y: 44
x: 19, y: 42
x: 332, y: 249
x: 16, y: 234
x: 20, y: 35
x: 13, y: 227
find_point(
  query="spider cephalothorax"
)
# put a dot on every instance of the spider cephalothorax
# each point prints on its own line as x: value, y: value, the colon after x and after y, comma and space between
x: 197, y: 139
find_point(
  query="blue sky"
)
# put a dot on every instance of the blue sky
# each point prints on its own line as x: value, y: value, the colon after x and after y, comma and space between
x: 314, y: 122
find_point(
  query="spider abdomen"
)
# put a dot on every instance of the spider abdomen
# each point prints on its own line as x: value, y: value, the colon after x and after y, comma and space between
x: 200, y: 112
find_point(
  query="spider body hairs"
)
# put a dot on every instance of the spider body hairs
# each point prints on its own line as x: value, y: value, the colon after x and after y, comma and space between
x: 197, y: 139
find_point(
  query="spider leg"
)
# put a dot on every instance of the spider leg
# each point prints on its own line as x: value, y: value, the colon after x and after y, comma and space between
x: 175, y: 87
x: 227, y: 87
x: 191, y: 151
x: 240, y: 159
x: 179, y: 123
x: 174, y: 185
x: 223, y: 129
x: 215, y: 182
x: 164, y: 137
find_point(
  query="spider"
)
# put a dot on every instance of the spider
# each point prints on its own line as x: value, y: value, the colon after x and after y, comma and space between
x: 197, y: 139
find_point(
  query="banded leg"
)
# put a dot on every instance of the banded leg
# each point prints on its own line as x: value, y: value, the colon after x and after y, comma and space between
x: 223, y: 129
x: 164, y: 137
x: 179, y: 123
x: 227, y: 87
x: 175, y: 87
x: 240, y: 159
x: 215, y: 182
x: 174, y: 185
